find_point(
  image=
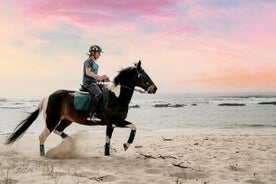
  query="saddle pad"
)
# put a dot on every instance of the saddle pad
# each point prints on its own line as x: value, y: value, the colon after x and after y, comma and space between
x: 81, y: 101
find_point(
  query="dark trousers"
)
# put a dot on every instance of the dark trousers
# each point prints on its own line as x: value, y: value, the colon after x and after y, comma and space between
x: 95, y: 95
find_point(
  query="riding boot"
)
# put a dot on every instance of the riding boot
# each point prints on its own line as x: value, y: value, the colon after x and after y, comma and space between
x: 92, y: 116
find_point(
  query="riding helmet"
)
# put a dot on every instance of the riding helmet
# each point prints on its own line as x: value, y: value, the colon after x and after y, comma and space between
x: 95, y: 48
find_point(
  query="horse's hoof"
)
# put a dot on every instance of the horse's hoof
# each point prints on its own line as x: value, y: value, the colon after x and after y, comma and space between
x: 125, y: 146
x: 107, y: 149
x: 42, y: 152
x: 64, y: 135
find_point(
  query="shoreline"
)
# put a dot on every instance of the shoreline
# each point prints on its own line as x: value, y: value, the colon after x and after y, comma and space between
x: 102, y: 130
x: 215, y: 156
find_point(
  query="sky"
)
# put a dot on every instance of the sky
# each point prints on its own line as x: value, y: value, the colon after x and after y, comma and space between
x: 186, y: 46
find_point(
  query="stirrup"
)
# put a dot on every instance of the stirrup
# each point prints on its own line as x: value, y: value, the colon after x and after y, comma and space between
x: 93, y: 117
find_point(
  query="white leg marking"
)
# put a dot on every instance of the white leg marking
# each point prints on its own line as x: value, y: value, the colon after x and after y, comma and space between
x: 107, y: 140
x: 57, y: 132
x: 45, y: 105
x: 43, y: 136
x: 131, y: 126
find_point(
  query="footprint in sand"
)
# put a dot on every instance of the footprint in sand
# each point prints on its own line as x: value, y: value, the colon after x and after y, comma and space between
x: 106, y: 178
x: 153, y: 171
x: 190, y: 175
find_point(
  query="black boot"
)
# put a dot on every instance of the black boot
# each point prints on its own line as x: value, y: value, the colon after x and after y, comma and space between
x: 92, y: 116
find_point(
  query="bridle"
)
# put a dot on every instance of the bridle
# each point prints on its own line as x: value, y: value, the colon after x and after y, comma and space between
x: 140, y: 75
x: 137, y: 90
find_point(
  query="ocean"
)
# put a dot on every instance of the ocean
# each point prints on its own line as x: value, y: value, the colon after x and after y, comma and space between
x: 168, y: 112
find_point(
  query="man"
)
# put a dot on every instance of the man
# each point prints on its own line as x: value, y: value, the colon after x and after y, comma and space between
x: 90, y: 78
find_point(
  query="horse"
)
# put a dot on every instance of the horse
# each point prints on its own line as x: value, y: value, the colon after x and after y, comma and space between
x: 59, y: 112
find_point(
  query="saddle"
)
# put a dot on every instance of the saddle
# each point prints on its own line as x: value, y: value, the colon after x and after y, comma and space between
x: 82, y: 98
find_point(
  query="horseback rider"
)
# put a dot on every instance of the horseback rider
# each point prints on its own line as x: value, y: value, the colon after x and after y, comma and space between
x: 90, y: 79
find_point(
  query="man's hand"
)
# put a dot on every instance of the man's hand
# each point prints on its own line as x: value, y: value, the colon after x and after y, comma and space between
x: 104, y: 78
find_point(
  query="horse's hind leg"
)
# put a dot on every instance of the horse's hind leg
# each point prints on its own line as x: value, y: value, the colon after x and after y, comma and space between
x: 43, y: 136
x: 51, y: 123
x: 61, y: 126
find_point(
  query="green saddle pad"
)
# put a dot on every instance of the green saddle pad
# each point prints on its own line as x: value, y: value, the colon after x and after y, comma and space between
x: 82, y: 100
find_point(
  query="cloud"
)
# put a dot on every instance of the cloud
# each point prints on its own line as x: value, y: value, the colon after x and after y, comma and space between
x: 201, y: 43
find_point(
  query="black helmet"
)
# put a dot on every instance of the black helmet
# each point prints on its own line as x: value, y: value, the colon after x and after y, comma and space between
x: 95, y: 48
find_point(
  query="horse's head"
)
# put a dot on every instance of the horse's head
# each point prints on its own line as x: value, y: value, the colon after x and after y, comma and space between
x: 143, y: 80
x: 135, y: 76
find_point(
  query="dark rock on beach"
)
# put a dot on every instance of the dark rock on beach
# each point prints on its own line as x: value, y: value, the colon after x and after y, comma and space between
x: 169, y: 105
x: 178, y: 105
x: 134, y: 106
x: 267, y: 103
x: 231, y: 104
x: 162, y: 105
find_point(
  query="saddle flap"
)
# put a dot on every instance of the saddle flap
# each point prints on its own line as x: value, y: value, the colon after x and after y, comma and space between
x: 81, y: 100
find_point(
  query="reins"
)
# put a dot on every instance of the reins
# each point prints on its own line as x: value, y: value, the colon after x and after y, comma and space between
x: 137, y: 90
x: 126, y: 87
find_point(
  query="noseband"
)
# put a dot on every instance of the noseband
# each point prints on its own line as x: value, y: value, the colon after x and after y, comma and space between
x: 141, y: 75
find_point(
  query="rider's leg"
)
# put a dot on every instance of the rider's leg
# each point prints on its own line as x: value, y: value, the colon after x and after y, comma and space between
x: 94, y: 105
x: 96, y: 93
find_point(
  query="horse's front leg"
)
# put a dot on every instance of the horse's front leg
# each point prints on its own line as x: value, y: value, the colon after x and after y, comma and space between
x: 109, y: 131
x: 131, y: 135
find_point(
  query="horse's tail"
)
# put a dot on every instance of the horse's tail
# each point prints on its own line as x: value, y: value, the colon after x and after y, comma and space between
x: 25, y: 124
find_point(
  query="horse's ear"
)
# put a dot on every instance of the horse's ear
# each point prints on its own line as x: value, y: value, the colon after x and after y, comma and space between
x: 138, y: 65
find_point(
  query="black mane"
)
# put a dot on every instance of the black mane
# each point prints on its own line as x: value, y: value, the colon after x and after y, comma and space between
x: 123, y: 75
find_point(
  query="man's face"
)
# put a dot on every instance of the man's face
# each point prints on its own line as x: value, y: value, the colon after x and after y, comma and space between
x: 97, y: 55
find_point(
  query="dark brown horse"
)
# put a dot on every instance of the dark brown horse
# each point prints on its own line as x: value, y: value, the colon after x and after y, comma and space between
x: 59, y: 111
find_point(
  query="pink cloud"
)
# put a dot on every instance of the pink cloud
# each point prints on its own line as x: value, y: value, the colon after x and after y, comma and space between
x: 157, y: 16
x: 89, y: 11
x: 206, y: 46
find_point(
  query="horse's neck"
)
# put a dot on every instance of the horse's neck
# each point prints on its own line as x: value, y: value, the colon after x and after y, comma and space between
x: 125, y: 95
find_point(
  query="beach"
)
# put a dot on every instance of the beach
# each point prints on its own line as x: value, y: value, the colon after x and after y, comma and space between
x: 192, y: 156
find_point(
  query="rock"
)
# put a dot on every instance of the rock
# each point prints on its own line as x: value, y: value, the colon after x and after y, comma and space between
x: 231, y: 104
x: 162, y: 105
x: 177, y: 105
x: 134, y: 106
x: 267, y: 103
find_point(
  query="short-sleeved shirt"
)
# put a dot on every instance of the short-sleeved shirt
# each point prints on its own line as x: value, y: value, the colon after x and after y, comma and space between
x: 93, y: 67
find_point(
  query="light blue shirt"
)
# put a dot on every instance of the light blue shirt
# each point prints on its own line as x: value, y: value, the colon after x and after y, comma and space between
x: 93, y: 67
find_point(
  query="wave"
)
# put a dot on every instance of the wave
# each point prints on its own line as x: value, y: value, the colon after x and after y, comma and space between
x: 17, y: 104
x: 3, y: 99
x: 168, y: 101
x: 257, y: 126
x: 250, y: 96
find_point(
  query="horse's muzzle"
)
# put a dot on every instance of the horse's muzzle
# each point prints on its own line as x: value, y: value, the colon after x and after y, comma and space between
x: 152, y: 89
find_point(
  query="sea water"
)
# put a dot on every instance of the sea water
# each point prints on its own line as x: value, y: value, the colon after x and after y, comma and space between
x: 167, y: 112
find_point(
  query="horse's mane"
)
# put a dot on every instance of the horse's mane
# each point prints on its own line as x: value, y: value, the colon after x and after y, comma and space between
x: 123, y: 75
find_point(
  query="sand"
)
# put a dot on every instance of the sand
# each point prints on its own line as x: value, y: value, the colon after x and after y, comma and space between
x: 220, y: 156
